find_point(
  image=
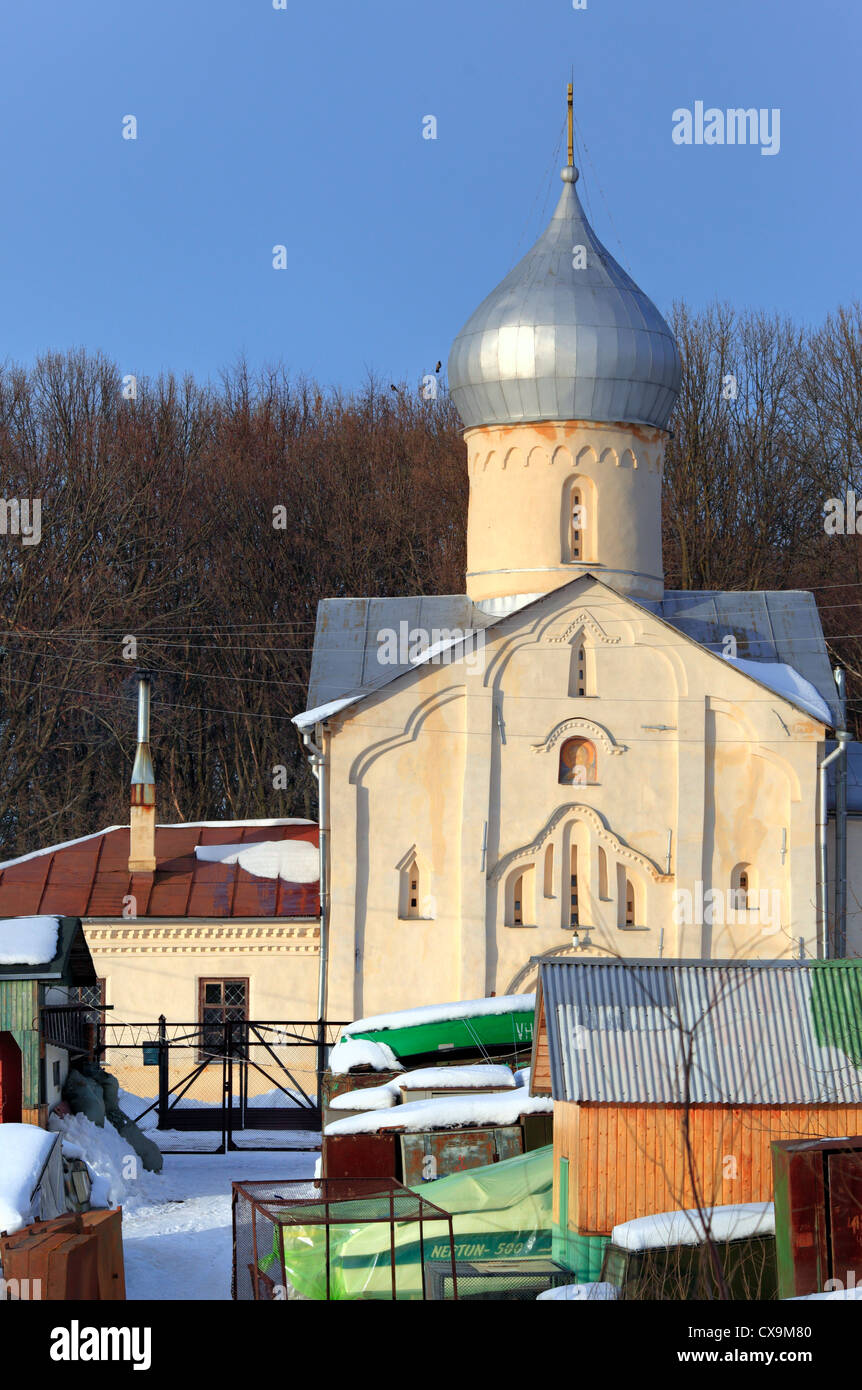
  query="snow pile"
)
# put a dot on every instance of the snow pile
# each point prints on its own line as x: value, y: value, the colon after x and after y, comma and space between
x: 28, y: 940
x: 523, y: 1077
x: 456, y: 1078
x: 834, y: 1293
x: 447, y: 1112
x: 24, y: 1151
x: 366, y: 1098
x: 733, y: 1222
x: 443, y: 1013
x: 132, y: 1106
x: 295, y: 861
x: 117, y: 1172
x: 584, y: 1293
x: 351, y: 1053
x: 786, y: 681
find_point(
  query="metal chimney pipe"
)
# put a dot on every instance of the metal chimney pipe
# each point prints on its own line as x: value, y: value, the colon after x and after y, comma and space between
x: 142, y: 823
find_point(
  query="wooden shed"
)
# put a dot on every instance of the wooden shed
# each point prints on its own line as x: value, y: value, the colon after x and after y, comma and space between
x: 41, y: 1027
x: 671, y: 1081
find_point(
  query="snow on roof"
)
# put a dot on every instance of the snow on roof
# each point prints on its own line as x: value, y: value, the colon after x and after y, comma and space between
x: 24, y: 1150
x: 28, y: 941
x: 424, y: 1079
x: 833, y: 1293
x: 366, y: 1097
x: 316, y: 716
x: 733, y: 1222
x: 295, y: 861
x: 456, y: 1078
x: 785, y: 681
x: 443, y: 1013
x: 447, y: 1112
x: 169, y: 825
x: 585, y: 1293
x: 362, y: 1052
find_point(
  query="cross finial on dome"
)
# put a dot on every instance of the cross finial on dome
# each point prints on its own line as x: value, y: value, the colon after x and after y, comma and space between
x: 570, y: 173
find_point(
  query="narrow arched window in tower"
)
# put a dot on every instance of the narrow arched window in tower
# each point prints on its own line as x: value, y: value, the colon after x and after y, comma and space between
x: 577, y: 763
x: 574, y: 911
x: 576, y: 537
x: 581, y: 675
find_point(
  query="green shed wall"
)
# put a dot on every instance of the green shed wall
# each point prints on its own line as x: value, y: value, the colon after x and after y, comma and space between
x: 19, y: 1015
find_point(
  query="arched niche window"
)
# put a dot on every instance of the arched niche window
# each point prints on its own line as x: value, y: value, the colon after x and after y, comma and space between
x: 520, y: 896
x: 631, y: 909
x: 578, y: 520
x: 743, y: 889
x: 603, y: 875
x: 548, y: 888
x: 577, y: 763
x: 414, y: 895
x: 574, y: 904
x: 581, y: 681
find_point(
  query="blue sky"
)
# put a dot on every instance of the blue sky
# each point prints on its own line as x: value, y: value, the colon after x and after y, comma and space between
x: 303, y: 127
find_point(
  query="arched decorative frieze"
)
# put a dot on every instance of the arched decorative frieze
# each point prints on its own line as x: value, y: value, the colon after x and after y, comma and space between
x: 409, y: 734
x: 609, y: 456
x: 587, y: 457
x: 587, y: 622
x: 627, y: 459
x: 537, y: 457
x: 514, y: 458
x: 490, y: 461
x: 562, y: 457
x: 604, y: 836
x: 587, y: 728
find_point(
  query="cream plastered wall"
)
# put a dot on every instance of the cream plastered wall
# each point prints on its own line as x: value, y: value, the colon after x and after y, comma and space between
x: 152, y: 966
x: 461, y: 770
x: 521, y: 479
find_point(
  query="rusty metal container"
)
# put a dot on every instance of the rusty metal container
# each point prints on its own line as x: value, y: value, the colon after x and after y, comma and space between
x: 360, y: 1156
x: 818, y: 1214
x: 431, y: 1154
x: 78, y: 1251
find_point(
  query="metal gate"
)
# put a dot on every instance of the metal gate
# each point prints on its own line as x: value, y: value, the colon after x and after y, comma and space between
x: 258, y: 1080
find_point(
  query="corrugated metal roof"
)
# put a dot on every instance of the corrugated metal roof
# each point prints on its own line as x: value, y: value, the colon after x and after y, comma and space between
x: 90, y: 877
x: 726, y: 1033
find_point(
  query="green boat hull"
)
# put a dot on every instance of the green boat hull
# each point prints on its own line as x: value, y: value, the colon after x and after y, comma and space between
x: 458, y: 1035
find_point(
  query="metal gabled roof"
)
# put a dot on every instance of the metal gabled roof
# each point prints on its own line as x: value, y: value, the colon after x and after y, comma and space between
x: 720, y: 1033
x: 347, y: 645
x: 565, y: 336
x: 770, y: 626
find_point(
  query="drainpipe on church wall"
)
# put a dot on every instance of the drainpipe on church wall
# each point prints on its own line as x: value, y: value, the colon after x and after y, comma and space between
x: 841, y: 830
x: 824, y: 945
x: 317, y: 759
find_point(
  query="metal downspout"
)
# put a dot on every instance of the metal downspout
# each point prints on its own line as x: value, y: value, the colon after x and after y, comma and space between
x: 841, y: 829
x: 318, y: 763
x: 823, y: 943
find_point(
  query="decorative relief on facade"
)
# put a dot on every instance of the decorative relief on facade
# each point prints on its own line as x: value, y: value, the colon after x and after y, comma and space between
x: 603, y: 835
x: 586, y: 622
x: 202, y: 939
x: 578, y: 725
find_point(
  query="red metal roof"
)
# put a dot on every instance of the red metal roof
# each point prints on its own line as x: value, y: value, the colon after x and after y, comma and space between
x: 90, y: 878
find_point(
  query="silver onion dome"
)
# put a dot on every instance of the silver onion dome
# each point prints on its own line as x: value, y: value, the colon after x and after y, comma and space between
x: 556, y: 342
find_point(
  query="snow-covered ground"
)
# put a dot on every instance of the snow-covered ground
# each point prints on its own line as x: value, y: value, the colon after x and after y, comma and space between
x: 177, y: 1242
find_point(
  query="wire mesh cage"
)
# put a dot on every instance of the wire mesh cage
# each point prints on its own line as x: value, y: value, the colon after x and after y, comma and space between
x: 333, y: 1239
x: 493, y: 1280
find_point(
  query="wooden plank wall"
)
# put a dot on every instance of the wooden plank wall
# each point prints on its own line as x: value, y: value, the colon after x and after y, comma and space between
x: 628, y: 1161
x: 19, y: 1015
x: 540, y: 1079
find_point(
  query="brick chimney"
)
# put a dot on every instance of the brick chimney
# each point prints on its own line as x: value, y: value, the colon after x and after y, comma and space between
x: 142, y: 840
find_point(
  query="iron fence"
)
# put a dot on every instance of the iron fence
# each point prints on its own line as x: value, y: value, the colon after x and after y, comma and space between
x: 235, y: 1077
